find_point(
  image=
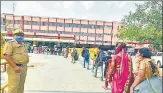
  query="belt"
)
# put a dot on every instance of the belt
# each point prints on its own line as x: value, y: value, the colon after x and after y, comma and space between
x: 21, y: 65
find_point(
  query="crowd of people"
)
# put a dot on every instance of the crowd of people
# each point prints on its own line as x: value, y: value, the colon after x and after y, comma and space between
x: 118, y: 68
x: 56, y: 50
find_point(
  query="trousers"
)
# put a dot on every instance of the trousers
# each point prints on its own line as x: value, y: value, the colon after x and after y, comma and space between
x: 99, y: 64
x: 86, y: 61
x: 106, y: 66
x: 16, y: 81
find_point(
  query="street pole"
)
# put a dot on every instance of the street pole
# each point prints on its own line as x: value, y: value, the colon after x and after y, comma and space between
x: 13, y: 8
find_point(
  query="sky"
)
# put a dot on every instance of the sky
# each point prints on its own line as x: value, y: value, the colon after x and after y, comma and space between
x: 91, y: 10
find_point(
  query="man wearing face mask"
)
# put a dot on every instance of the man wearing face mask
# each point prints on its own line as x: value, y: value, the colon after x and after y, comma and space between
x: 16, y: 54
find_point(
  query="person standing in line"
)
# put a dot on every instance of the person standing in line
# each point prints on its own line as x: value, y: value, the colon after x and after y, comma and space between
x: 120, y: 73
x: 16, y: 54
x: 86, y: 58
x: 32, y: 49
x: 73, y: 55
x: 51, y: 50
x: 107, y: 58
x: 67, y: 52
x: 83, y: 52
x: 99, y: 63
x: 96, y: 59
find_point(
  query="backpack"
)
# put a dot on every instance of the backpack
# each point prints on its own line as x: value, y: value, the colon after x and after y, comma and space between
x: 86, y: 54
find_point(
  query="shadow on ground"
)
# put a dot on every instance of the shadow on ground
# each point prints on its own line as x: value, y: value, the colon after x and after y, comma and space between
x: 45, y: 91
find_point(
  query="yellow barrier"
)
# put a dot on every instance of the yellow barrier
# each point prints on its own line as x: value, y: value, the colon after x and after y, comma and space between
x: 3, y: 88
x: 3, y: 41
x: 2, y: 49
x: 3, y: 63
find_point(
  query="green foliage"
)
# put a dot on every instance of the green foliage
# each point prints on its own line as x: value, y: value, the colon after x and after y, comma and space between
x: 144, y: 24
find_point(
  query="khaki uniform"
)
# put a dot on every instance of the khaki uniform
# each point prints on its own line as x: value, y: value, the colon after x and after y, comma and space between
x: 19, y: 55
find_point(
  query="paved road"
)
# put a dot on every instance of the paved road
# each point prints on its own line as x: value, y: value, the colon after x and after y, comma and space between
x: 55, y: 74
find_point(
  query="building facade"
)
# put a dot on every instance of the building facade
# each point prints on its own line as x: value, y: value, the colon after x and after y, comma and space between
x: 79, y: 31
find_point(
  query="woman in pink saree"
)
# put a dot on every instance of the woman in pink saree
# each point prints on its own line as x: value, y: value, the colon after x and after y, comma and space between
x: 120, y: 71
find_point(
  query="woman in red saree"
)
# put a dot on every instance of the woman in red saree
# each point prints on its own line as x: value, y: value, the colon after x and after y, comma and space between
x: 120, y: 71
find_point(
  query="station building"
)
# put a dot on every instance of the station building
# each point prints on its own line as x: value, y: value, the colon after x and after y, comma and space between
x: 50, y: 30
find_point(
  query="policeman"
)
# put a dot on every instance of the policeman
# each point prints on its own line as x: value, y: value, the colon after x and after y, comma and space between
x: 16, y: 54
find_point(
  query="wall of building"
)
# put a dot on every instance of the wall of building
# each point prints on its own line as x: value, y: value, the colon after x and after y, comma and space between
x: 85, y: 31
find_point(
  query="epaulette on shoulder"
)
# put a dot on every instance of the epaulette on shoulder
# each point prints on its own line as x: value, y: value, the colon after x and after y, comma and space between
x: 10, y: 41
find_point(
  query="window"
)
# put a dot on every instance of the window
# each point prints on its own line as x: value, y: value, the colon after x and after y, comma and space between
x: 34, y: 30
x: 82, y: 25
x: 68, y: 32
x: 44, y: 23
x: 33, y: 23
x: 12, y: 22
x: 31, y: 31
x: 59, y: 24
x: 38, y: 31
x: 17, y: 22
x: 79, y: 25
x: 101, y: 26
x: 90, y: 26
x: 28, y: 30
x: 71, y: 25
x: 74, y: 25
x: 67, y: 25
x: 60, y: 32
x: 27, y: 22
x: 50, y: 23
x: 56, y: 32
x: 85, y: 26
x: 96, y: 26
x: 25, y: 30
x: 108, y: 26
x: 50, y: 31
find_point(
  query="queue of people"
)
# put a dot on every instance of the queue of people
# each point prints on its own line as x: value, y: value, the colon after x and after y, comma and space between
x: 120, y: 73
x: 118, y: 70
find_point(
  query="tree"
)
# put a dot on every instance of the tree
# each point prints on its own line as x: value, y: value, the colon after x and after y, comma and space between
x: 145, y: 24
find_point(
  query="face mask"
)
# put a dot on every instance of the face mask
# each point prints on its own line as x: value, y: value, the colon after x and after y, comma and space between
x: 19, y: 38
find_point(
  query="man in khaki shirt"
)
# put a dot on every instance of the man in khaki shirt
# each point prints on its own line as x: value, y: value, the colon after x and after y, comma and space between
x: 17, y: 57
